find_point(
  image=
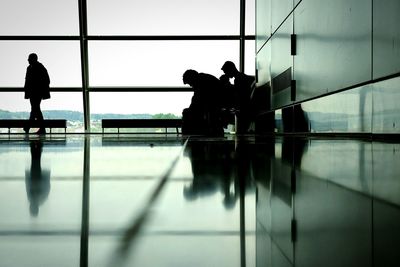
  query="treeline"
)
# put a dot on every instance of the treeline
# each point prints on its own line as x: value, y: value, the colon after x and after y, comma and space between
x: 78, y: 116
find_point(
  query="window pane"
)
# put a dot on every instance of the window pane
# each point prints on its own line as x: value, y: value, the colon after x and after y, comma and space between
x: 155, y: 17
x: 250, y: 58
x: 61, y: 105
x: 61, y: 59
x: 138, y: 105
x: 155, y: 63
x: 39, y: 17
x: 250, y: 17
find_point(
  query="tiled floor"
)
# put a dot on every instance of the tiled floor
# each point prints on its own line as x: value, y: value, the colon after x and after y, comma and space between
x: 126, y: 200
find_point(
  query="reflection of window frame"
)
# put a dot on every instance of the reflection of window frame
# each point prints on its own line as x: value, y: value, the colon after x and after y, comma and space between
x: 84, y: 38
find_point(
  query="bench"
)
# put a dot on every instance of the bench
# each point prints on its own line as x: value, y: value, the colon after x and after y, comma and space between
x: 33, y: 124
x: 142, y: 123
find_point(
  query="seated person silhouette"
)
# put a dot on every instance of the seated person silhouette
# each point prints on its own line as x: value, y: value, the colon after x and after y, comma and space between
x: 36, y: 87
x: 203, y: 116
x: 242, y: 89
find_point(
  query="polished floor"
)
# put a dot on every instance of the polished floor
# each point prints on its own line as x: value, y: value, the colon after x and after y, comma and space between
x: 129, y: 200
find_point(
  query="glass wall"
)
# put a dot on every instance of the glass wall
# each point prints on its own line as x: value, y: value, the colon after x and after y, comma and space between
x: 60, y: 58
x: 39, y: 17
x: 155, y: 17
x: 136, y: 105
x: 155, y: 63
x: 61, y: 105
x: 134, y: 54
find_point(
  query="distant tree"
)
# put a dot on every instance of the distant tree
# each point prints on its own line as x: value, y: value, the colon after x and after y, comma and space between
x: 165, y: 116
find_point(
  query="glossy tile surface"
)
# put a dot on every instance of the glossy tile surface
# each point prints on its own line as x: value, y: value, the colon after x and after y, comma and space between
x: 126, y: 200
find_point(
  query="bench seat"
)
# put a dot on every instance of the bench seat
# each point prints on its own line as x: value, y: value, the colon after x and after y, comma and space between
x: 142, y: 123
x: 33, y: 124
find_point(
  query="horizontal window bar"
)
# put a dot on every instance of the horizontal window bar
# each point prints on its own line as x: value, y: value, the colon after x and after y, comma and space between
x: 106, y: 89
x: 38, y: 38
x: 126, y: 37
x: 167, y: 37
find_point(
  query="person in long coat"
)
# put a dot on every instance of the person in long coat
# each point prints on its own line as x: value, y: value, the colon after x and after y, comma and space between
x: 37, y: 88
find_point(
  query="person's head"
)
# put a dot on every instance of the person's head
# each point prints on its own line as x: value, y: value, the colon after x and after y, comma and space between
x: 189, y: 77
x: 33, y: 58
x: 229, y: 69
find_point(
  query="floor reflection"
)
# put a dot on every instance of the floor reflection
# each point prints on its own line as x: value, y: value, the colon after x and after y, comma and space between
x: 37, y: 179
x: 319, y: 205
x: 213, y: 171
x: 237, y: 201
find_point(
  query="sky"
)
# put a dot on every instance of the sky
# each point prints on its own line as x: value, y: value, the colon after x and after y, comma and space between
x: 119, y: 63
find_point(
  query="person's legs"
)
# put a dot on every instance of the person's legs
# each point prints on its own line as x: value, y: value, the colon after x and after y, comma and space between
x: 36, y: 112
x: 32, y: 115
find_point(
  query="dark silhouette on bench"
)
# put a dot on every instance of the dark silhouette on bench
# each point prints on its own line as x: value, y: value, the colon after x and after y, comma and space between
x: 241, y: 90
x: 203, y: 116
x: 36, y: 87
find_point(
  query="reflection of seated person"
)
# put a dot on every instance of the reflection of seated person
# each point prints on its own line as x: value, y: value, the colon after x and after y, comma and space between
x: 203, y: 116
x: 212, y: 169
x: 37, y: 180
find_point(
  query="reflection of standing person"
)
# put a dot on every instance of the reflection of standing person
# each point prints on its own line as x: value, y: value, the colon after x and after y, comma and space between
x: 243, y: 85
x: 37, y: 180
x: 37, y: 83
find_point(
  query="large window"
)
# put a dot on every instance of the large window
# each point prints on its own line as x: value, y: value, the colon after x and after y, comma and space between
x: 155, y: 63
x: 158, y: 17
x: 39, y: 17
x: 61, y: 59
x: 61, y: 105
x: 129, y: 61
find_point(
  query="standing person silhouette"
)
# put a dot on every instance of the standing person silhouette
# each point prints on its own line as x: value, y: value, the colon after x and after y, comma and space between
x: 243, y: 86
x: 36, y: 87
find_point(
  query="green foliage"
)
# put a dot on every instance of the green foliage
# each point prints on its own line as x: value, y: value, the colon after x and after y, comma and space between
x: 165, y: 116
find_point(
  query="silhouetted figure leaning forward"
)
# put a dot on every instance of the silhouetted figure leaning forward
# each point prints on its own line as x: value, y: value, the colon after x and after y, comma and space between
x: 203, y: 116
x: 36, y: 87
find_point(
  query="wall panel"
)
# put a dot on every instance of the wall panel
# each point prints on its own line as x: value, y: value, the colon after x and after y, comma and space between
x: 281, y: 64
x: 280, y: 11
x: 386, y: 57
x: 333, y: 45
x: 263, y: 22
x: 263, y: 65
x: 386, y: 108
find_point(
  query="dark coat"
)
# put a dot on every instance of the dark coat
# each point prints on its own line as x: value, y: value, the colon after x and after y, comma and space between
x: 243, y: 86
x: 207, y: 93
x: 37, y: 82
